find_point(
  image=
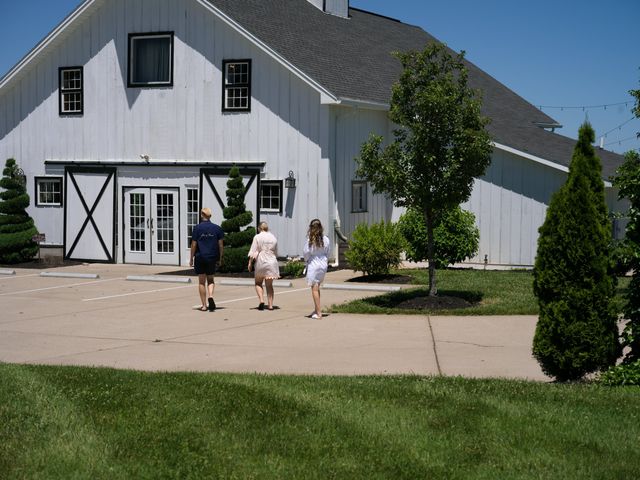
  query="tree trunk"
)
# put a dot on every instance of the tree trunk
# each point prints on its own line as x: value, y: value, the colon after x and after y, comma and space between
x: 428, y: 218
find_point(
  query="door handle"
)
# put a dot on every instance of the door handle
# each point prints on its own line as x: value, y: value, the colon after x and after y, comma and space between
x: 152, y: 226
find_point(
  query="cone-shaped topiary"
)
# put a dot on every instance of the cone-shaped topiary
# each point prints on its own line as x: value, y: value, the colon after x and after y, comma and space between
x: 16, y: 226
x: 577, y: 331
x: 237, y: 241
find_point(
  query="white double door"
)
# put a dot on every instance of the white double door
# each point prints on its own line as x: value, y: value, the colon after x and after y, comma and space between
x: 151, y: 227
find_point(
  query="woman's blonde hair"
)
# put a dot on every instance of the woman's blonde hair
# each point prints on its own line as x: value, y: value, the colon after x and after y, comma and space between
x: 316, y: 233
x: 263, y: 227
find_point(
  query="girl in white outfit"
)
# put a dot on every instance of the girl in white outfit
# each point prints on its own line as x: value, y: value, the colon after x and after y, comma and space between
x: 316, y: 253
x: 263, y: 255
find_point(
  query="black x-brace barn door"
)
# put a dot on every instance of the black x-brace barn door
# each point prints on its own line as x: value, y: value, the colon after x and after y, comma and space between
x: 90, y: 214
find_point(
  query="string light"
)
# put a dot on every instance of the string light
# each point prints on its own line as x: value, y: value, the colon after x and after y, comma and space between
x: 585, y: 107
x: 621, y: 141
x: 619, y: 126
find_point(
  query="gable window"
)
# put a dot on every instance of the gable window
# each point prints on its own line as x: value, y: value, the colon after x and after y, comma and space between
x: 271, y: 196
x: 49, y: 191
x: 358, y: 196
x: 71, y: 90
x: 151, y: 59
x: 193, y: 212
x: 236, y: 85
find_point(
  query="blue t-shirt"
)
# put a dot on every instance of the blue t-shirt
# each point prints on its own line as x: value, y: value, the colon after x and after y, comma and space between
x: 207, y: 234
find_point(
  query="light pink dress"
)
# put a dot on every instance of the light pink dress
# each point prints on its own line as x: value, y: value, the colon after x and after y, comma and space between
x: 264, y: 251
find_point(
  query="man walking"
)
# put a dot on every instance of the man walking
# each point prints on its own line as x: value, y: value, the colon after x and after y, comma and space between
x: 207, y: 249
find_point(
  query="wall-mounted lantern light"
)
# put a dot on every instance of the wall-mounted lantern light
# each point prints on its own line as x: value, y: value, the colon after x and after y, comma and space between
x: 290, y: 181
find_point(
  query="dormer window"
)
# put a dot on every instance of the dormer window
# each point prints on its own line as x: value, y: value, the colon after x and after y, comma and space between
x: 236, y: 86
x: 71, y: 91
x: 151, y: 59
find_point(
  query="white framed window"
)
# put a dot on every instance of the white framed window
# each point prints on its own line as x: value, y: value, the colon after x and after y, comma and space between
x: 193, y: 212
x: 71, y: 89
x: 151, y: 59
x: 49, y: 191
x: 358, y: 196
x: 271, y: 196
x: 236, y: 85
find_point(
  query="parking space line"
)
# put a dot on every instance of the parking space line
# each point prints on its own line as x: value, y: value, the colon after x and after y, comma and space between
x: 19, y: 276
x: 59, y: 286
x: 135, y: 293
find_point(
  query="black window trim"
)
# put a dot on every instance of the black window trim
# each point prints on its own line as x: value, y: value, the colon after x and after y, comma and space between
x: 131, y: 84
x: 366, y: 197
x: 61, y: 112
x: 224, y: 85
x: 36, y: 183
x: 280, y: 184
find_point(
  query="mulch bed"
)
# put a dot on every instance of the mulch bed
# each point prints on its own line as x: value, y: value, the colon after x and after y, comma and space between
x: 388, y: 278
x: 444, y: 302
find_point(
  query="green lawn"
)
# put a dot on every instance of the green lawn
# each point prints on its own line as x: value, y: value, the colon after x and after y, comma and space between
x: 71, y: 422
x: 492, y: 292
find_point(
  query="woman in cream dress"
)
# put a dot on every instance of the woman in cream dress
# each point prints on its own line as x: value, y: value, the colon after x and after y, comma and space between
x: 263, y: 256
x: 316, y: 254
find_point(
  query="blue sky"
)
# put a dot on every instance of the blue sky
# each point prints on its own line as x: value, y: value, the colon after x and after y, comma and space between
x: 556, y: 53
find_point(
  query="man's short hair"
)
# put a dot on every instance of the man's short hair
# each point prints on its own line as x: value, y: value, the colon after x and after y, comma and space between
x: 206, y: 213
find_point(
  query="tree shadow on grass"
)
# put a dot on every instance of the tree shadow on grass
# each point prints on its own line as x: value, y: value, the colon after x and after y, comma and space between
x: 419, y: 299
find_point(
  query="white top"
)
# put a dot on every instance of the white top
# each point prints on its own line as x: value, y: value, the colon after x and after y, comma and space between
x: 317, y: 259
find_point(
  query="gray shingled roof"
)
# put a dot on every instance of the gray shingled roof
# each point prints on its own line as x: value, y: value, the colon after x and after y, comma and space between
x: 352, y: 59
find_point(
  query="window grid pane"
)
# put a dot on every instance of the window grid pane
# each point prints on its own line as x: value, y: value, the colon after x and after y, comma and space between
x: 270, y: 195
x: 71, y: 90
x: 192, y: 212
x: 137, y: 229
x: 164, y: 219
x: 50, y: 192
x: 237, y: 86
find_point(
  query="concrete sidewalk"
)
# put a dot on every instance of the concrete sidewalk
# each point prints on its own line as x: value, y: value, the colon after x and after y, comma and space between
x: 109, y: 321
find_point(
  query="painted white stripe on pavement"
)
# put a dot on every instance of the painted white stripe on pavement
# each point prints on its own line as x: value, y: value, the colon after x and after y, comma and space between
x: 59, y: 286
x: 135, y: 293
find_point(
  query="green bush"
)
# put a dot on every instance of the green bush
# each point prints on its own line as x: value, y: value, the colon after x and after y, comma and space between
x: 235, y: 259
x: 293, y: 268
x: 624, y: 374
x: 577, y: 330
x: 455, y: 236
x: 375, y: 249
x: 16, y: 226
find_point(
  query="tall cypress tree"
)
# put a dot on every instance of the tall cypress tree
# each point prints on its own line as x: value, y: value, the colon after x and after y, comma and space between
x: 237, y: 241
x: 577, y: 329
x: 16, y: 226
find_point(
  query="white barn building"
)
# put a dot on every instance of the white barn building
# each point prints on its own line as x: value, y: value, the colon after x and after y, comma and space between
x: 127, y: 117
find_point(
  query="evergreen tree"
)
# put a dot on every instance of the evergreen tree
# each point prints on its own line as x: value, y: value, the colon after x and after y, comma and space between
x: 577, y: 327
x: 627, y: 180
x: 16, y: 226
x: 237, y: 241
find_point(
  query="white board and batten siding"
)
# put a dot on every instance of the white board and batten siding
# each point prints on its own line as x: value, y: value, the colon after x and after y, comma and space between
x: 286, y: 130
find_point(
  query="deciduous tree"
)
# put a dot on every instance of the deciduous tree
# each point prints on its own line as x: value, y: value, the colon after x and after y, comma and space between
x: 440, y: 144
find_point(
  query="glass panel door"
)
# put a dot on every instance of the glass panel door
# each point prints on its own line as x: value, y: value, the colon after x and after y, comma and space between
x: 165, y: 227
x: 137, y: 226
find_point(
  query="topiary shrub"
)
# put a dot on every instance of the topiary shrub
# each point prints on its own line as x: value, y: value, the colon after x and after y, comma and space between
x: 237, y: 241
x: 16, y: 226
x: 456, y: 236
x: 375, y: 249
x: 577, y: 330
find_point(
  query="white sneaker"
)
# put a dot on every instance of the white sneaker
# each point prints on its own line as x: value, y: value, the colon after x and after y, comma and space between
x: 316, y: 316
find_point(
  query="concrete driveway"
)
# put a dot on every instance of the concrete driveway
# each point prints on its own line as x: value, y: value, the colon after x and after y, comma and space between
x: 149, y: 325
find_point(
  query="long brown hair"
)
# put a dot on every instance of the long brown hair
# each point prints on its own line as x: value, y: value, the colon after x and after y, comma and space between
x: 315, y: 233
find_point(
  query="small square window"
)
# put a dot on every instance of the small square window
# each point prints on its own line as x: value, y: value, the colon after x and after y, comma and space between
x: 236, y: 85
x: 151, y: 59
x: 358, y: 197
x: 49, y: 191
x: 271, y: 196
x: 71, y: 88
